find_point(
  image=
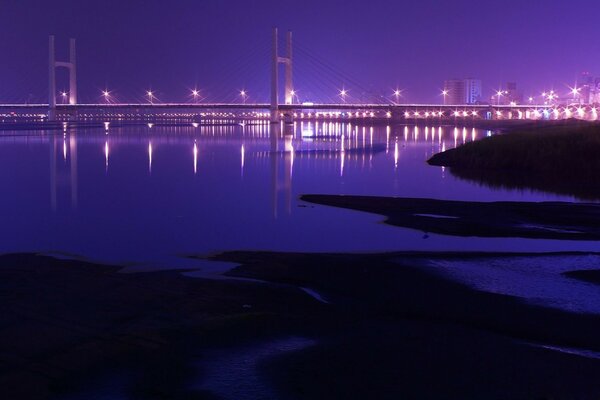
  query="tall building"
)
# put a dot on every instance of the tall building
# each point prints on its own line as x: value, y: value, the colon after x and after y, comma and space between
x: 472, y: 91
x: 455, y: 91
x: 462, y: 91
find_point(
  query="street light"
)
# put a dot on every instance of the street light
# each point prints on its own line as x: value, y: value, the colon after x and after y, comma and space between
x: 576, y: 93
x: 343, y: 94
x: 292, y: 94
x: 106, y: 95
x: 445, y: 94
x: 550, y: 96
x: 64, y: 96
x: 195, y: 94
x: 150, y: 95
x: 499, y: 94
x: 397, y: 94
x: 244, y: 95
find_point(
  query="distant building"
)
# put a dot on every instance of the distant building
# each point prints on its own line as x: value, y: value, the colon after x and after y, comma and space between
x: 462, y: 91
x: 586, y: 86
x: 472, y: 91
x: 508, y: 94
x: 454, y: 90
x: 512, y: 95
x: 595, y: 95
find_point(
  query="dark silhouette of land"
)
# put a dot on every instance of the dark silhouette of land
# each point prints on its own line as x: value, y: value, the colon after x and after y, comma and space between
x: 546, y: 220
x: 561, y: 157
x: 390, y: 329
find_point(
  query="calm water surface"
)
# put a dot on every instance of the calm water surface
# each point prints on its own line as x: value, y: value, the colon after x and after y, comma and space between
x: 144, y: 195
x: 147, y: 195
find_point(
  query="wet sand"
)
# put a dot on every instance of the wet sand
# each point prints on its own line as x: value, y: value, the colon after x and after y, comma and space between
x: 401, y: 332
x: 65, y: 323
x: 389, y: 330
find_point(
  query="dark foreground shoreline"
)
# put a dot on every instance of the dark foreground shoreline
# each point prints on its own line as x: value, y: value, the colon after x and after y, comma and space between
x: 390, y: 330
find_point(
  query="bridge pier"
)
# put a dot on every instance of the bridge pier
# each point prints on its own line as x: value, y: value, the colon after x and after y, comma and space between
x: 276, y: 60
x: 51, y: 81
x: 289, y: 87
x: 52, y: 65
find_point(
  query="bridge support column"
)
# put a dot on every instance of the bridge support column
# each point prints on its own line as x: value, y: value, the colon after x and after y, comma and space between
x: 275, y: 81
x: 289, y: 87
x: 52, y: 65
x: 51, y: 81
x: 72, y: 73
x: 276, y: 60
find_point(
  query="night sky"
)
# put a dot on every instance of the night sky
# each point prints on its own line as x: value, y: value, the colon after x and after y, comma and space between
x: 129, y: 46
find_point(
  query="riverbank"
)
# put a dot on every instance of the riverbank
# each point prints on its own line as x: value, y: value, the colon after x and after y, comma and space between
x: 560, y: 158
x: 545, y: 220
x: 382, y: 333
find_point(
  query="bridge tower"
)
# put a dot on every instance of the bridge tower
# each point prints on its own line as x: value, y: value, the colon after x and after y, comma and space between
x: 71, y: 65
x: 287, y: 60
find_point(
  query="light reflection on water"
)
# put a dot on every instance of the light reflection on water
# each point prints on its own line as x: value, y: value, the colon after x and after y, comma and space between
x: 538, y: 279
x: 145, y: 195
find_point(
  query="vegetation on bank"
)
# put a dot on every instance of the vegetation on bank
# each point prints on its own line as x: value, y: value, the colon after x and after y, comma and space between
x: 562, y: 158
x: 562, y: 148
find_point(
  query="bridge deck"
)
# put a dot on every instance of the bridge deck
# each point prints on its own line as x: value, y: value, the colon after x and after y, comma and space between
x: 266, y: 106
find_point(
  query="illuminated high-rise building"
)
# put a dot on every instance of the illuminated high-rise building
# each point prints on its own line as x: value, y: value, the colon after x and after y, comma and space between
x: 462, y: 91
x: 472, y: 91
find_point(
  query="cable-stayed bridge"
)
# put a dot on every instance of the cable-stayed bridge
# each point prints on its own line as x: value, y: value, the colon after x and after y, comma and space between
x: 342, y: 106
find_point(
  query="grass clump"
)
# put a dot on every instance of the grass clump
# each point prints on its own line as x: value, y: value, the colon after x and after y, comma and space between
x: 569, y: 148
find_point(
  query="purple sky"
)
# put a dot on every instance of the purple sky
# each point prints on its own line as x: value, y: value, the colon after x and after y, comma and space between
x: 222, y: 46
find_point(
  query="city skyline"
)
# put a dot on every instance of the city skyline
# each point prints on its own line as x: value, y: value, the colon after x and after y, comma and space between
x: 193, y: 46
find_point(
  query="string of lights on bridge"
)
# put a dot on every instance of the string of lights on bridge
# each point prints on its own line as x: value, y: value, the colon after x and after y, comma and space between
x: 547, y: 98
x: 264, y: 117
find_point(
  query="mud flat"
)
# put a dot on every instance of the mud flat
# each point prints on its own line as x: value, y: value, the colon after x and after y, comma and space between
x: 389, y: 329
x: 544, y: 220
x: 396, y: 330
x: 66, y: 324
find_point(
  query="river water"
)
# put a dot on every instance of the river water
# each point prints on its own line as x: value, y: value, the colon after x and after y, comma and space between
x: 146, y: 195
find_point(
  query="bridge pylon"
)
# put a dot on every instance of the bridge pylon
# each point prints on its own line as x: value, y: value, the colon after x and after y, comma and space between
x: 71, y: 65
x: 276, y: 60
